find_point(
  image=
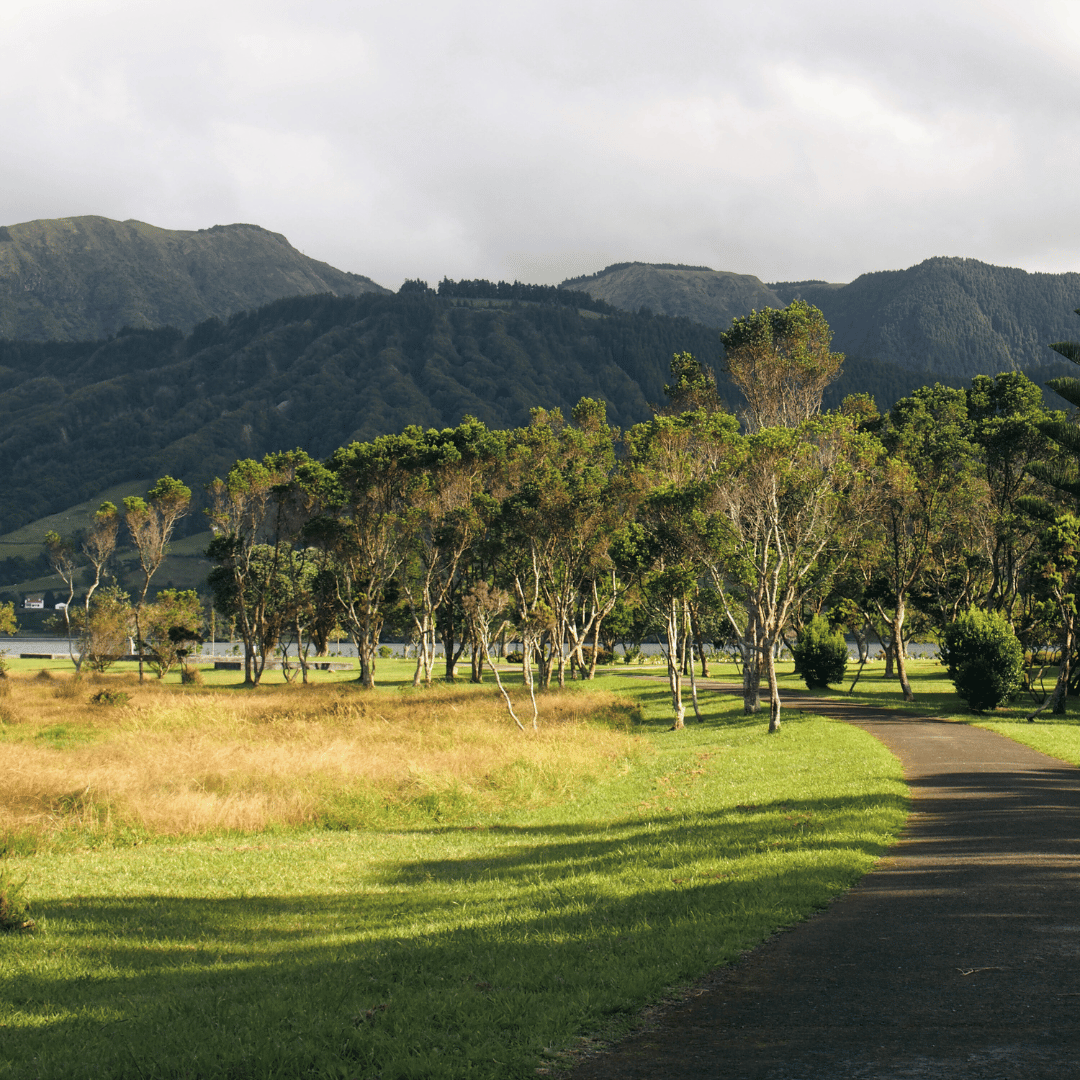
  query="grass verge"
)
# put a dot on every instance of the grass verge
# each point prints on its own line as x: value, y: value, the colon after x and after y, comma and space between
x: 478, y: 945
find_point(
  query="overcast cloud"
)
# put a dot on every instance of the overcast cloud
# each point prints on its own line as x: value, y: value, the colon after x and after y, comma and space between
x: 541, y: 140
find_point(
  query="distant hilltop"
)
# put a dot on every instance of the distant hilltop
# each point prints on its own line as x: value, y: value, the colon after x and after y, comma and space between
x: 949, y: 316
x: 85, y: 278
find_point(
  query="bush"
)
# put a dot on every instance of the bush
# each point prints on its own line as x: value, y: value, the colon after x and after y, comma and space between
x: 602, y: 656
x: 191, y: 675
x: 385, y: 652
x: 109, y: 697
x: 984, y: 658
x: 821, y: 654
x: 515, y: 658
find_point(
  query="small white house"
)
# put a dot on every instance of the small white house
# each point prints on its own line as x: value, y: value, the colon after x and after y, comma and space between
x: 34, y: 603
x: 60, y: 607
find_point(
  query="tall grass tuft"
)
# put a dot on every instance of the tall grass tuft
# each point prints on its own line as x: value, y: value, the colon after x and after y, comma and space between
x: 14, y: 910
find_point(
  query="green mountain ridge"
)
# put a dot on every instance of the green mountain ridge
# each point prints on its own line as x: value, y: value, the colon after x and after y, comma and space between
x: 954, y: 317
x: 84, y: 278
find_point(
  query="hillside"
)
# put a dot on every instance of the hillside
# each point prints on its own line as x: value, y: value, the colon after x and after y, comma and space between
x: 317, y: 372
x: 953, y: 317
x: 77, y: 418
x: 87, y: 277
x: 712, y: 297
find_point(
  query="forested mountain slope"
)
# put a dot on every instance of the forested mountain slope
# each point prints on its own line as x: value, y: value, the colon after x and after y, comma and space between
x: 953, y: 317
x: 87, y: 277
x: 318, y: 372
x: 315, y: 372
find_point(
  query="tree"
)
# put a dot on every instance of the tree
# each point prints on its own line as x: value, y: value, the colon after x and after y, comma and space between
x: 692, y: 387
x: 368, y: 526
x: 453, y: 470
x: 105, y: 627
x: 929, y: 464
x: 98, y: 545
x: 150, y: 522
x: 820, y: 653
x: 241, y: 515
x: 553, y: 533
x: 674, y: 464
x: 780, y: 360
x: 789, y: 497
x: 63, y: 561
x: 171, y: 625
x: 1007, y: 418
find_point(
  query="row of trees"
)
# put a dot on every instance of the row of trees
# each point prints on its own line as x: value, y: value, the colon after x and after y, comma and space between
x: 697, y: 525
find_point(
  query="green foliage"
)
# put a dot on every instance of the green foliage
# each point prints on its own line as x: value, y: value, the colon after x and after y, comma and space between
x: 104, y: 634
x: 984, y: 658
x: 110, y: 697
x: 821, y: 654
x: 171, y: 626
x: 781, y: 361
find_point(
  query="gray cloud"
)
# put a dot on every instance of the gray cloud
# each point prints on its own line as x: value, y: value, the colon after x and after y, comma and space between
x: 542, y: 140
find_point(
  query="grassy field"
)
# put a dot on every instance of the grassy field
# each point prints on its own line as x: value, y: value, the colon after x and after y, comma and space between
x: 322, y: 882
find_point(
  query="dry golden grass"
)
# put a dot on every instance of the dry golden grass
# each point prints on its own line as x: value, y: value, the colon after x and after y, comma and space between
x: 178, y: 761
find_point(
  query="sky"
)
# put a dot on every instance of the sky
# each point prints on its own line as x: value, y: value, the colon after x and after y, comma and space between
x: 538, y: 141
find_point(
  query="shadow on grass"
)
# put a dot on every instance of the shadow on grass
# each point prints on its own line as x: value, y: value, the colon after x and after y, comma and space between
x: 549, y: 941
x: 554, y: 934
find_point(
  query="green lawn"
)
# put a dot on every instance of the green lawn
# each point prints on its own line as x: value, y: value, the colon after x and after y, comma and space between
x: 479, y: 945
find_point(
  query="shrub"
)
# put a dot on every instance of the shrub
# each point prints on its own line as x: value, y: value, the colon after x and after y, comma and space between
x: 191, y: 676
x: 109, y: 697
x: 821, y: 654
x: 984, y: 658
x: 602, y: 656
x: 515, y: 658
x: 44, y: 675
x: 385, y: 652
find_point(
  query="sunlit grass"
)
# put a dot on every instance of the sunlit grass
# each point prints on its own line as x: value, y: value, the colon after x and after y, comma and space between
x: 170, y: 763
x: 409, y: 946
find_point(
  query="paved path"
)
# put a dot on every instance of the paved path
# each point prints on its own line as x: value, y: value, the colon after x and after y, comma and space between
x: 958, y: 957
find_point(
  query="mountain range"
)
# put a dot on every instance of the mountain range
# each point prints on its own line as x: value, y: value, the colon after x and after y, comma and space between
x: 953, y: 317
x: 128, y: 351
x: 85, y: 278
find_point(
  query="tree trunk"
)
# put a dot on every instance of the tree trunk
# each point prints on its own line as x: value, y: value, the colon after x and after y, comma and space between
x: 898, y: 649
x: 674, y: 664
x: 1061, y: 688
x: 774, y: 690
